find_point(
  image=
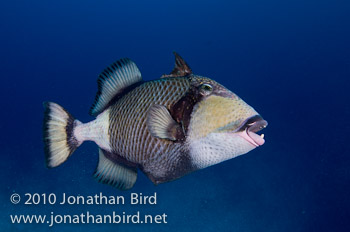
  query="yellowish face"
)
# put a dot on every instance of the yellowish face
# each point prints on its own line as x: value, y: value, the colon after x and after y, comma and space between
x: 218, y: 114
x: 222, y: 127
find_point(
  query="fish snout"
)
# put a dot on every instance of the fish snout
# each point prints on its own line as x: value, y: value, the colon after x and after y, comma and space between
x: 248, y: 130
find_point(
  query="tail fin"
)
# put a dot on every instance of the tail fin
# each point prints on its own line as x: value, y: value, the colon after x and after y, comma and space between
x: 59, y: 138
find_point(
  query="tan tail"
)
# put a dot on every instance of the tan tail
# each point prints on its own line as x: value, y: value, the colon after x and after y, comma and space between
x: 59, y: 139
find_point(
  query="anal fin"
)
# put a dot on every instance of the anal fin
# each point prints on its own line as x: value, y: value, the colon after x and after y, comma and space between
x: 117, y: 175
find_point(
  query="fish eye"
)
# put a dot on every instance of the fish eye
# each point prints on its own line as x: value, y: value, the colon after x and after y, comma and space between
x: 206, y: 89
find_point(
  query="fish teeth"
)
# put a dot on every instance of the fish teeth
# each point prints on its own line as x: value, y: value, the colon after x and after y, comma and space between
x: 262, y: 135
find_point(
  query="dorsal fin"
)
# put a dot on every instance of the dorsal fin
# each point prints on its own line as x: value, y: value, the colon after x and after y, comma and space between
x: 112, y: 81
x: 181, y: 68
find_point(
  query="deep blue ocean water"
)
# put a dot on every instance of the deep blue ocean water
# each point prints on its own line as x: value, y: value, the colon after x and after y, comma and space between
x: 289, y: 59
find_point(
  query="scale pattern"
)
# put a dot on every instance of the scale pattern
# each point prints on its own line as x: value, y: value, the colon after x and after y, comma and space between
x: 129, y: 136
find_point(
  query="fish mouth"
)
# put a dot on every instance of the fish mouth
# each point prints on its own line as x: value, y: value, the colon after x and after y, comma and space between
x: 248, y: 130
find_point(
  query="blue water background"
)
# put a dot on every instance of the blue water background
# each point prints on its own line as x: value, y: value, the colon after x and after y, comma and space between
x: 289, y: 59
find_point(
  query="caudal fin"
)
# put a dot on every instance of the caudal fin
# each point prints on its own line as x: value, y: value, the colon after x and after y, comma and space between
x: 59, y: 138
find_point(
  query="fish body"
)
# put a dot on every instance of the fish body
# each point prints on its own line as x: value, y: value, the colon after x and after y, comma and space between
x: 166, y: 127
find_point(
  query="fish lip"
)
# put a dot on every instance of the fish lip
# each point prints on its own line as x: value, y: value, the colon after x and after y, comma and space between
x: 257, y: 125
x: 253, y: 124
x: 248, y: 130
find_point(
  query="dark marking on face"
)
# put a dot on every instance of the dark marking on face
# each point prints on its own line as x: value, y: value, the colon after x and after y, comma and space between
x: 182, y: 110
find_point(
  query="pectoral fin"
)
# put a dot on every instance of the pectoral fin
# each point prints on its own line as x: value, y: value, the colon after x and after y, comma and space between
x: 161, y: 124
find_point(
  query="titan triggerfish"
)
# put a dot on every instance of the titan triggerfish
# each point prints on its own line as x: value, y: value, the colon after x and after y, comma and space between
x: 166, y: 127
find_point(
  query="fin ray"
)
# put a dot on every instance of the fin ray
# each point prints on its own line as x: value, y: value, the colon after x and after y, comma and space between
x: 59, y: 139
x: 181, y: 68
x: 112, y: 81
x: 161, y: 124
x: 117, y: 175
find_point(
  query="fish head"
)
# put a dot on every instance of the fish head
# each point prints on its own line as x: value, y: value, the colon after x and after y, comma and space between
x: 222, y: 126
